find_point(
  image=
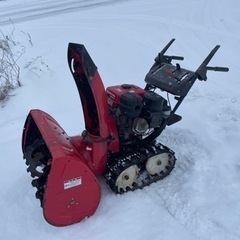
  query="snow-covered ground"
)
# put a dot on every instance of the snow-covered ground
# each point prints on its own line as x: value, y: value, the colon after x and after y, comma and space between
x: 201, y: 198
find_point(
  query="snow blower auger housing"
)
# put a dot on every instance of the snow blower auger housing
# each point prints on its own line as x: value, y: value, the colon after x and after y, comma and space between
x: 122, y: 124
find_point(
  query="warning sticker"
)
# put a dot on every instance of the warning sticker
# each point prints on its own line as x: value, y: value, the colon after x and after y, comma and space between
x: 72, y: 183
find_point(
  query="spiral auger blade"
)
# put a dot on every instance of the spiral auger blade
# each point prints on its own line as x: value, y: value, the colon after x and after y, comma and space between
x: 36, y: 158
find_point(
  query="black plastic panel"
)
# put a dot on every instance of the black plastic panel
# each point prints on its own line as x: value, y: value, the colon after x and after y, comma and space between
x: 170, y: 78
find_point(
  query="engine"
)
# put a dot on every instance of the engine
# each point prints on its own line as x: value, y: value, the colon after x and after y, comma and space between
x: 137, y: 112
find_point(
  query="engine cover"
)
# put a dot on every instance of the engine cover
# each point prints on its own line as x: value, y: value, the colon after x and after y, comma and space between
x: 114, y: 93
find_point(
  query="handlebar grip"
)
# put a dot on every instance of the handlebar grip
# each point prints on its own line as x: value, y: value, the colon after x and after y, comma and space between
x: 218, y: 69
x: 177, y: 57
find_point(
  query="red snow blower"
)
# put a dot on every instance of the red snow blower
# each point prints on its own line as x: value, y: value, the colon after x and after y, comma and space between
x: 122, y: 124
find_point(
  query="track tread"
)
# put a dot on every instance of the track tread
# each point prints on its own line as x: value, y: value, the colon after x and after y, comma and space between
x: 121, y: 162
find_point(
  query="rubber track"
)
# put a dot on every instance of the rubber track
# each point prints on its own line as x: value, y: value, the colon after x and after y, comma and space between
x: 139, y: 158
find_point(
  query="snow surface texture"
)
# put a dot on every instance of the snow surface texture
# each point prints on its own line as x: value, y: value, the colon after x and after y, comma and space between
x: 201, y: 198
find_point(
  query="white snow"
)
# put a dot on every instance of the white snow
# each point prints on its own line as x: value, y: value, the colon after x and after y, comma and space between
x: 201, y: 198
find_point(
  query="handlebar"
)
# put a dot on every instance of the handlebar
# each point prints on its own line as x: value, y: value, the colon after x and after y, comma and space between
x: 162, y: 58
x: 202, y: 70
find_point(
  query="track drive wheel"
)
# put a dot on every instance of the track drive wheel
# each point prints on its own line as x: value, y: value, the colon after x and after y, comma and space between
x: 127, y: 178
x: 159, y: 164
